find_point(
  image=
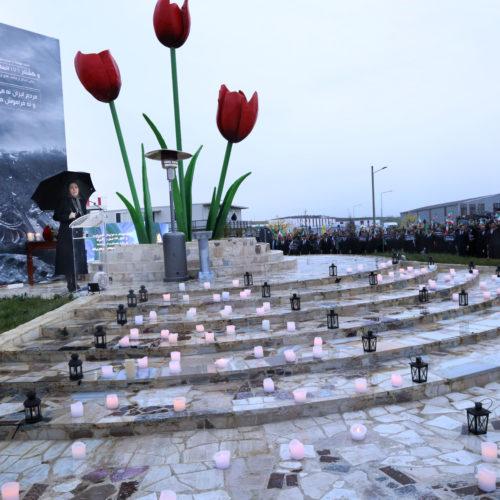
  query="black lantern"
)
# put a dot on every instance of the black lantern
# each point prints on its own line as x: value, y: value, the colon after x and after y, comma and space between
x: 131, y: 299
x: 471, y: 267
x: 431, y: 261
x: 333, y: 269
x: 369, y: 342
x: 121, y: 315
x: 332, y: 319
x: 295, y: 302
x: 498, y: 271
x: 477, y: 419
x: 395, y: 258
x: 100, y: 337
x: 75, y: 368
x: 32, y: 411
x: 423, y: 295
x: 143, y: 294
x: 419, y: 370
x: 248, y: 279
x: 266, y: 290
x: 463, y: 298
x: 372, y: 278
x: 93, y: 288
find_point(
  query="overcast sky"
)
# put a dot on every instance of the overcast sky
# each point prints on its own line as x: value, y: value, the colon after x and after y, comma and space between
x: 342, y: 85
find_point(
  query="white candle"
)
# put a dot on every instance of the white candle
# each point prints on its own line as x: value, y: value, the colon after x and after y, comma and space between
x: 487, y: 295
x: 182, y: 287
x: 358, y: 432
x: 489, y: 452
x: 77, y: 410
x: 230, y: 329
x: 31, y: 236
x: 396, y: 380
x: 174, y: 367
x: 175, y: 356
x: 222, y: 459
x: 380, y: 278
x: 297, y: 450
x: 206, y: 285
x: 112, y: 402
x: 482, y: 285
x: 200, y: 328
x: 107, y: 371
x: 216, y: 297
x: 266, y: 325
x: 455, y: 297
x: 228, y: 309
x: 258, y: 352
x: 391, y: 274
x: 260, y: 311
x: 290, y: 326
x: 290, y: 355
x: 486, y: 479
x: 318, y: 341
x: 38, y: 237
x: 130, y: 368
x: 153, y: 316
x: 236, y: 282
x: 185, y: 299
x: 172, y: 338
x: 124, y: 342
x: 134, y: 334
x: 166, y: 297
x: 266, y: 306
x: 360, y: 385
x: 179, y: 403
x: 168, y: 495
x: 221, y: 363
x: 78, y: 450
x: 268, y: 385
x: 209, y: 337
x: 10, y: 491
x: 142, y: 363
x: 138, y: 319
x: 318, y: 351
x: 225, y: 296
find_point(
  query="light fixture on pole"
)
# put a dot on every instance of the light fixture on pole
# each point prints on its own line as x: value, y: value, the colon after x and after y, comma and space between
x: 174, y: 243
x: 373, y: 190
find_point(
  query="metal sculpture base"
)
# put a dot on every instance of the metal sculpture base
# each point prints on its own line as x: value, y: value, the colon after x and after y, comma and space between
x: 205, y: 274
x: 174, y: 256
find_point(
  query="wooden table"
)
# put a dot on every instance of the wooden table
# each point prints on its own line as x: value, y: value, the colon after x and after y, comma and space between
x: 34, y: 246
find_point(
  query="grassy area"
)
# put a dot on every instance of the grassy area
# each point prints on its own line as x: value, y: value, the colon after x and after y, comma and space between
x: 15, y: 311
x: 444, y: 258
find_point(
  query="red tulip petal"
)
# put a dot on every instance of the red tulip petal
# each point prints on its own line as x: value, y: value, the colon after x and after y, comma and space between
x: 230, y: 115
x: 171, y: 24
x: 249, y: 111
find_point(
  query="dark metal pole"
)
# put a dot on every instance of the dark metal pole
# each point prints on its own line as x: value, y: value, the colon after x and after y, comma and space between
x: 373, y: 198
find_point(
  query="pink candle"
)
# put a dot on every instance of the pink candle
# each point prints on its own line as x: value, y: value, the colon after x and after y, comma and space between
x: 290, y: 326
x: 166, y: 297
x: 112, y: 402
x: 243, y: 295
x: 200, y: 328
x: 300, y: 395
x: 297, y: 450
x: 482, y: 285
x: 455, y: 297
x: 228, y: 309
x: 396, y: 380
x: 258, y: 352
x: 268, y: 385
x: 168, y: 495
x: 179, y: 404
x: 124, y: 342
x: 230, y: 329
x: 172, y: 338
x: 221, y: 363
x: 260, y: 311
x: 358, y: 432
x: 174, y: 367
x: 489, y: 452
x: 134, y: 334
x: 391, y: 274
x: 10, y: 491
x: 318, y: 341
x: 222, y: 459
x: 290, y: 355
x: 216, y: 297
x: 209, y: 337
x: 206, y: 285
x: 77, y: 451
x: 487, y: 295
x: 175, y: 356
x: 360, y: 385
x: 142, y: 363
x: 236, y: 282
x: 266, y: 306
x: 318, y: 351
x: 383, y: 265
x: 164, y: 334
x: 380, y: 278
x: 153, y: 316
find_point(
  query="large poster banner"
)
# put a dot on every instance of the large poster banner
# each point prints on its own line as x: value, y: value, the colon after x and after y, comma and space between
x: 32, y: 139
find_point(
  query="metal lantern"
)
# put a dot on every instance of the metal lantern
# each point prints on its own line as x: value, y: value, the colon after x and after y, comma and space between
x: 121, y: 315
x: 131, y: 299
x: 395, y: 258
x: 423, y: 295
x: 333, y: 269
x: 419, y: 370
x: 32, y: 411
x: 372, y: 278
x: 471, y: 266
x: 100, y: 337
x: 75, y: 368
x: 431, y: 261
x: 295, y: 302
x: 266, y: 290
x: 463, y: 298
x: 332, y: 319
x: 143, y: 294
x: 369, y: 342
x: 498, y: 271
x: 93, y: 288
x: 248, y: 279
x: 477, y: 419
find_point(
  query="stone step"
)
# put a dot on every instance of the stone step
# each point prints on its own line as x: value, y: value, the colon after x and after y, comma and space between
x: 230, y: 405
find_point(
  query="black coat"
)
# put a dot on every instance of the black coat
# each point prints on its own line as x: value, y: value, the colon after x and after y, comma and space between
x: 64, y: 251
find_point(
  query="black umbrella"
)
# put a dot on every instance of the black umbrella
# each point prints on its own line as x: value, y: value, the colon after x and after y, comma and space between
x: 50, y: 191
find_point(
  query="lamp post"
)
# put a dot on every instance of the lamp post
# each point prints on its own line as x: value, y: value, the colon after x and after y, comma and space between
x: 174, y: 243
x: 382, y: 216
x: 373, y: 190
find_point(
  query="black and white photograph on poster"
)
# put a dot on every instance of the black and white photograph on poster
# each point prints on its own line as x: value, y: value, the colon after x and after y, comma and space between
x: 32, y: 140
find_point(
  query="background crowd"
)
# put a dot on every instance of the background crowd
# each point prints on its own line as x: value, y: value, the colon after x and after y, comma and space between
x: 480, y: 239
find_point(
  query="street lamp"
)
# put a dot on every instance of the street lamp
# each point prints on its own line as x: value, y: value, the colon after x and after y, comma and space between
x: 174, y: 243
x: 382, y: 216
x: 373, y: 190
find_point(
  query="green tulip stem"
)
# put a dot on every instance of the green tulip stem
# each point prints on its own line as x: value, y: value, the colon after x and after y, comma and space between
x: 222, y: 177
x: 124, y: 156
x: 178, y: 137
